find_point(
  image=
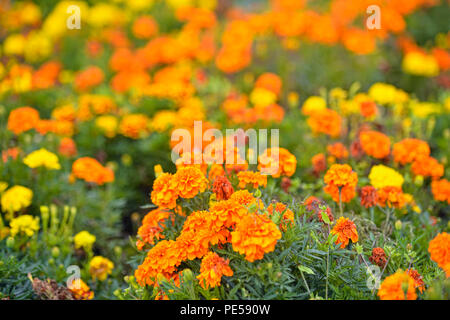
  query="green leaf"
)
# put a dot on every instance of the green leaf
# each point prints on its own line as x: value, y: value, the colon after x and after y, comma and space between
x: 305, y: 269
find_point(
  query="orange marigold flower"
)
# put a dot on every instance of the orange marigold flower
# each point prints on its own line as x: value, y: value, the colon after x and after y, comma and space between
x: 165, y: 192
x: 212, y: 269
x: 441, y: 190
x: 255, y: 179
x: 369, y: 196
x: 418, y: 282
x: 88, y: 78
x: 245, y: 198
x: 375, y: 144
x: 80, y: 290
x: 439, y: 249
x: 277, y: 162
x: 325, y: 121
x: 378, y: 257
x: 428, y: 167
x: 368, y: 109
x: 346, y: 230
x: 134, y: 126
x: 201, y: 229
x: 227, y: 213
x: 162, y: 259
x: 255, y: 235
x: 152, y: 226
x: 408, y: 150
x: 144, y: 27
x: 67, y: 147
x: 22, y: 119
x: 395, y: 286
x: 340, y: 178
x: 222, y: 188
x: 189, y: 181
x: 319, y: 163
x: 338, y: 150
x: 215, y: 171
x: 269, y: 81
x: 91, y: 170
x: 391, y: 196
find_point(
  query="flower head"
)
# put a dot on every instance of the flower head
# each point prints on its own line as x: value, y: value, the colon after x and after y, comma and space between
x: 408, y: 150
x: 381, y: 176
x: 84, y: 239
x: 222, y: 188
x: 25, y: 224
x: 22, y: 119
x: 375, y: 144
x: 346, y: 230
x: 212, y: 269
x: 189, y: 181
x: 90, y: 170
x: 255, y: 235
x: 399, y: 286
x: 378, y: 257
x: 42, y: 158
x: 100, y: 267
x: 439, y: 249
x: 80, y: 290
x: 255, y: 179
x: 16, y: 198
x: 340, y: 178
x: 369, y: 196
x: 165, y: 193
x: 441, y: 190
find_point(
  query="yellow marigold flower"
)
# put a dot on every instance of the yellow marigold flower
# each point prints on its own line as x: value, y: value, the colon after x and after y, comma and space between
x: 255, y: 235
x: 439, y: 249
x: 346, y: 231
x: 25, y: 224
x: 84, y: 239
x: 395, y: 286
x: 381, y: 176
x: 212, y: 269
x: 420, y: 64
x: 262, y: 97
x: 42, y: 158
x: 134, y: 126
x: 80, y: 290
x: 16, y: 198
x: 312, y: 104
x: 107, y: 124
x: 100, y: 268
x: 383, y: 93
x: 189, y: 181
x: 14, y: 45
x: 163, y: 120
x: 37, y: 47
